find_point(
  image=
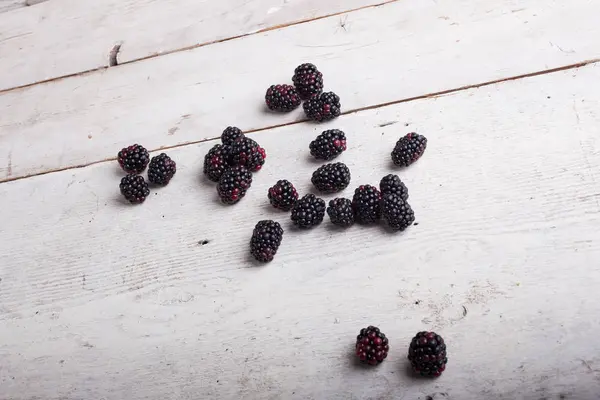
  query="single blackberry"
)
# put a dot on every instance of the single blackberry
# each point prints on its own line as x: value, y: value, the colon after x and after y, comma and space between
x: 427, y: 354
x: 134, y: 188
x: 266, y: 239
x: 133, y: 159
x: 331, y: 178
x: 308, y: 81
x: 233, y: 184
x: 397, y: 212
x: 366, y: 204
x: 283, y: 195
x: 324, y: 107
x: 308, y: 211
x: 230, y: 134
x: 161, y: 169
x: 247, y: 153
x: 372, y: 346
x: 340, y: 212
x: 215, y: 162
x: 391, y: 184
x: 409, y: 149
x: 328, y: 145
x: 282, y: 98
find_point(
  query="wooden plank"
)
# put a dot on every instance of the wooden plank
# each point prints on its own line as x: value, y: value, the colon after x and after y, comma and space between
x: 71, y: 36
x: 9, y: 5
x: 383, y: 54
x: 100, y: 299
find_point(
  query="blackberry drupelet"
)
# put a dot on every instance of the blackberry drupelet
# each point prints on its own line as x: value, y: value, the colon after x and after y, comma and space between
x: 134, y: 188
x: 215, y: 162
x: 397, y: 212
x: 283, y: 195
x: 233, y: 184
x: 308, y: 211
x: 161, y: 169
x: 372, y: 346
x: 266, y: 239
x: 366, y: 204
x: 282, y: 98
x: 391, y: 184
x: 230, y: 134
x: 427, y: 354
x: 133, y: 159
x: 340, y: 212
x: 409, y: 149
x: 247, y: 153
x: 331, y: 178
x: 308, y: 80
x: 328, y: 145
x: 324, y: 107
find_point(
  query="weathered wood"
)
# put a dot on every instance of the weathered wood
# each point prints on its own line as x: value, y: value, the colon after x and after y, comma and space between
x: 9, y: 5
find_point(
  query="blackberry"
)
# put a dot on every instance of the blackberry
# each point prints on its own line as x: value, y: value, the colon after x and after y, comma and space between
x: 391, y: 184
x: 328, y: 145
x: 282, y: 98
x: 397, y: 212
x: 283, y: 195
x: 366, y: 204
x: 230, y: 134
x: 233, y: 184
x: 134, y: 188
x: 372, y: 346
x: 247, y: 153
x: 161, y: 169
x: 340, y: 212
x: 308, y: 81
x: 308, y: 211
x: 331, y: 178
x: 427, y: 354
x: 324, y: 107
x: 215, y: 162
x: 409, y: 149
x: 133, y: 159
x: 266, y: 239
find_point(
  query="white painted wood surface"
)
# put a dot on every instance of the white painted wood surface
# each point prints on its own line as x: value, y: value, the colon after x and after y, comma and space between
x: 103, y: 300
x: 70, y: 36
x: 384, y: 54
x: 9, y: 5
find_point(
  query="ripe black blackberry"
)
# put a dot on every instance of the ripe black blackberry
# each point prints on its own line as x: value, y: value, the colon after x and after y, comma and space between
x: 134, y: 188
x: 427, y: 354
x: 282, y: 98
x: 161, y: 169
x: 283, y: 195
x: 133, y: 159
x: 233, y: 184
x: 308, y: 80
x: 308, y: 211
x: 247, y: 153
x: 324, y: 107
x: 409, y: 149
x: 328, y: 145
x: 331, y: 178
x: 266, y: 239
x: 340, y: 212
x: 397, y: 212
x: 371, y: 346
x: 215, y: 162
x: 230, y: 134
x: 391, y: 184
x: 366, y: 204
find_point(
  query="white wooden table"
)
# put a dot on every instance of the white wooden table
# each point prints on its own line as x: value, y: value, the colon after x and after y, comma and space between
x: 103, y: 300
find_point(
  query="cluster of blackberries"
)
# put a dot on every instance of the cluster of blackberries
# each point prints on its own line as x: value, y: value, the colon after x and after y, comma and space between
x: 308, y: 86
x: 134, y: 160
x: 232, y: 163
x: 426, y: 353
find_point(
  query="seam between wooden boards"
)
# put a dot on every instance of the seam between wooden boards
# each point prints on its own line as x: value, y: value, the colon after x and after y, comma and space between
x: 351, y: 111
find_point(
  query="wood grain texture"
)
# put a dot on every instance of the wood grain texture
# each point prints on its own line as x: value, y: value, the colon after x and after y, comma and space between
x: 384, y: 54
x: 71, y: 36
x: 9, y: 5
x: 100, y: 299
